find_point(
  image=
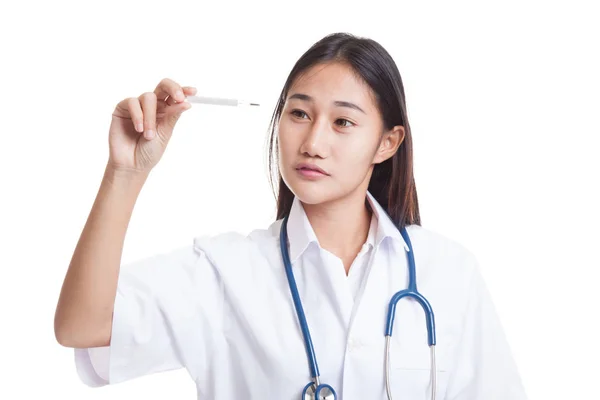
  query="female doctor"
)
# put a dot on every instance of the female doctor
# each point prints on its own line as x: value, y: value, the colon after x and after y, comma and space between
x: 344, y: 296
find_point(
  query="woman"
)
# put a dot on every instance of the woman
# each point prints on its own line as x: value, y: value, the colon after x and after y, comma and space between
x: 223, y: 307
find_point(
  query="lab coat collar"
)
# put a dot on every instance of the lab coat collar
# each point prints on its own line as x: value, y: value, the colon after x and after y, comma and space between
x: 385, y: 227
x: 301, y: 233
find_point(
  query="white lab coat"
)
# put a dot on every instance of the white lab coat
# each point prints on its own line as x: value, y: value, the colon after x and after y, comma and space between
x: 222, y: 309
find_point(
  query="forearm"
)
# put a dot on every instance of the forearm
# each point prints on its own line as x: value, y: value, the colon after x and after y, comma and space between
x: 84, y: 312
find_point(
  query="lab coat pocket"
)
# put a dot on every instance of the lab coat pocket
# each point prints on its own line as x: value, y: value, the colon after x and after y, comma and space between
x: 415, y: 384
x: 410, y: 367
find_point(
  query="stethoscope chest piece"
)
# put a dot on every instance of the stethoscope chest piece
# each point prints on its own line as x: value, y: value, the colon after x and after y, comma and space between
x: 325, y: 392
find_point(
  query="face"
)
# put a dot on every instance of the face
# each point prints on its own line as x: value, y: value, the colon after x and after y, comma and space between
x: 330, y: 120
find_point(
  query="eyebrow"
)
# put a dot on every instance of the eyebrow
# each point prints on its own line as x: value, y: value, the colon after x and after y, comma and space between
x: 305, y: 97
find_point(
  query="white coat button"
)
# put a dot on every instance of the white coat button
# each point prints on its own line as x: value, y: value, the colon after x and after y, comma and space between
x: 354, y: 345
x: 351, y: 345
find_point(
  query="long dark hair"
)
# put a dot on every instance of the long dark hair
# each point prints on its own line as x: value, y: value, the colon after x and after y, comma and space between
x: 392, y: 182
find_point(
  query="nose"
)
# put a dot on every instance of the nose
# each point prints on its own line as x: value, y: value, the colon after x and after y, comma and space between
x: 315, y: 143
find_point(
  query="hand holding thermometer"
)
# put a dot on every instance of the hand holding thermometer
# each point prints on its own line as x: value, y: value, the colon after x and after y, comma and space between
x: 152, y: 115
x: 219, y: 101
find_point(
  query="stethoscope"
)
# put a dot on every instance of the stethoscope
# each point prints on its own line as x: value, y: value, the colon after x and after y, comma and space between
x: 315, y: 390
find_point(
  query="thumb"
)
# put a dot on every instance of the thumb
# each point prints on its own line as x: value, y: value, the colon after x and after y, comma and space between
x: 172, y: 115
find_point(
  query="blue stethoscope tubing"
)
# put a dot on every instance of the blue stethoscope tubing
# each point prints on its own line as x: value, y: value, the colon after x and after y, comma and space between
x: 317, y: 390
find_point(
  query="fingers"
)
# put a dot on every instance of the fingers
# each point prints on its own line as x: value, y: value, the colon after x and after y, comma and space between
x: 148, y: 103
x: 187, y: 91
x: 144, y: 109
x: 135, y: 111
x: 168, y: 87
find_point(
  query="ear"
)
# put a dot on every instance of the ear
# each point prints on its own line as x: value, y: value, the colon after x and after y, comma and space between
x: 389, y: 144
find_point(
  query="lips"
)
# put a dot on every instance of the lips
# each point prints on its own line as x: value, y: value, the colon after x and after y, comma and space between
x: 310, y: 167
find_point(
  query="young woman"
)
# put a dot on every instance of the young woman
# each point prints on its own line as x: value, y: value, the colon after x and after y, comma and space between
x: 304, y: 308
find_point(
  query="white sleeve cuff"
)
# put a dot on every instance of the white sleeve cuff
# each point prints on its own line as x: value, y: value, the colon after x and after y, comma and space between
x: 92, y: 365
x: 100, y: 366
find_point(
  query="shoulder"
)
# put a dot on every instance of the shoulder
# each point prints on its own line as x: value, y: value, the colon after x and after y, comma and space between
x: 434, y: 241
x: 433, y: 248
x: 235, y: 246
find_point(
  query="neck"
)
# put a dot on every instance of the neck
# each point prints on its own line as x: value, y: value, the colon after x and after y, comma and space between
x: 341, y: 226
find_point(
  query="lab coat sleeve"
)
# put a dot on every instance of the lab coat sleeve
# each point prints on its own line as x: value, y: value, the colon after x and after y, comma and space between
x: 167, y: 310
x: 484, y: 367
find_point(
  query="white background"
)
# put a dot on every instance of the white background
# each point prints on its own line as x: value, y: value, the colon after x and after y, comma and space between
x: 503, y: 99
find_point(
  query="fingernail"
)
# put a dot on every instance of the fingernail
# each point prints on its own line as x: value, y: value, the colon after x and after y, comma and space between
x: 139, y: 127
x: 180, y: 95
x: 150, y: 134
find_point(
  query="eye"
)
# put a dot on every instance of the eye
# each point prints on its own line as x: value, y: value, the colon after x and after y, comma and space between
x: 300, y: 113
x: 296, y: 112
x: 345, y: 120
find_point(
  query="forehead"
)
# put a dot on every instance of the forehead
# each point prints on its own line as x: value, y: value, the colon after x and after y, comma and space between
x: 331, y: 82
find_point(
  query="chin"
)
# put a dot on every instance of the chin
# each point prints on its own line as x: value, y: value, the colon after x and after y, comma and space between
x: 306, y: 191
x: 312, y: 192
x: 311, y: 195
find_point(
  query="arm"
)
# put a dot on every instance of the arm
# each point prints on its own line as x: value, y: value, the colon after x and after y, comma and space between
x: 83, y: 315
x: 485, y: 368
